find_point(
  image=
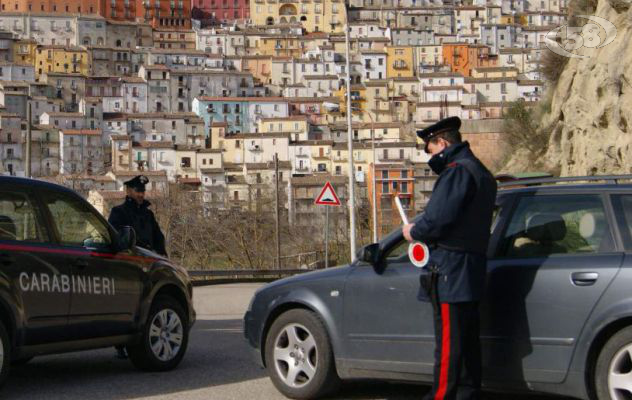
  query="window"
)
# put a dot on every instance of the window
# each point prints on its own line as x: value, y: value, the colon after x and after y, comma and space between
x: 384, y: 187
x: 545, y: 225
x: 19, y: 219
x: 75, y: 223
x: 404, y: 174
x: 404, y: 187
x: 623, y: 209
x: 384, y: 174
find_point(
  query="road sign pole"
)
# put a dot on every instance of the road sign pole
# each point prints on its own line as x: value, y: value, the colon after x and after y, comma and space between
x: 326, y: 236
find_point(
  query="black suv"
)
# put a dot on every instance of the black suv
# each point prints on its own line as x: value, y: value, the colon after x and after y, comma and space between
x: 69, y: 281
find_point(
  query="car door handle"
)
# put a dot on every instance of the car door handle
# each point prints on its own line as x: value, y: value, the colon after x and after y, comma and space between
x: 6, y: 259
x: 81, y: 263
x: 584, y: 278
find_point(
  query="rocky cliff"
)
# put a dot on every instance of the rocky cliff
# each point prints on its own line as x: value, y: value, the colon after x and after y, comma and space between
x: 590, y: 118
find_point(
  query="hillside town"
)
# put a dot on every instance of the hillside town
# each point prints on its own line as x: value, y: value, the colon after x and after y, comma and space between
x: 215, y: 96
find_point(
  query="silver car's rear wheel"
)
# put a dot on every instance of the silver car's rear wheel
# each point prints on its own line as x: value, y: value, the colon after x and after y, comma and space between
x: 613, y: 371
x: 620, y: 374
x: 295, y: 355
x: 299, y: 356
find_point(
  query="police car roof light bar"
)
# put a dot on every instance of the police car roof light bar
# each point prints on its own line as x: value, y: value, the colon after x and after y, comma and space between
x: 609, y: 179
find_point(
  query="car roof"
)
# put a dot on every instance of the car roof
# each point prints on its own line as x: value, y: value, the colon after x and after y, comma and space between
x: 12, y: 180
x: 596, y: 187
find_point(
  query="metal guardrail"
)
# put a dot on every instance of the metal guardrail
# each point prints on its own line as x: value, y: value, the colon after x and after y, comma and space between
x: 205, y: 277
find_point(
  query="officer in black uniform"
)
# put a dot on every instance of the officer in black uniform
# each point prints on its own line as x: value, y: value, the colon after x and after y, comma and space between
x: 135, y: 212
x: 456, y: 226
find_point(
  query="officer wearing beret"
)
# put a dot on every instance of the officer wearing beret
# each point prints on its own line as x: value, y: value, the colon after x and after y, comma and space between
x: 456, y: 225
x: 135, y: 212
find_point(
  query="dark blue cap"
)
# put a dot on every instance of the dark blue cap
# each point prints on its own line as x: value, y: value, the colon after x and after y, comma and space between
x: 445, y: 125
x: 137, y: 183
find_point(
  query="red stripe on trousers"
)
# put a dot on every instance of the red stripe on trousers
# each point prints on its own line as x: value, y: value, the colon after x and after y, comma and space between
x: 445, y: 352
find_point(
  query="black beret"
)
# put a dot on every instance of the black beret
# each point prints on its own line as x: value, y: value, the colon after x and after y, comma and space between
x: 137, y: 183
x: 445, y: 125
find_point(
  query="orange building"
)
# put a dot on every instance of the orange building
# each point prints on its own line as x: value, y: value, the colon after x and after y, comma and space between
x: 51, y: 6
x: 463, y: 57
x: 392, y: 180
x: 157, y: 13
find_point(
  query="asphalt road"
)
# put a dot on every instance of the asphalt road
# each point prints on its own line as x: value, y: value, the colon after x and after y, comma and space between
x: 218, y: 366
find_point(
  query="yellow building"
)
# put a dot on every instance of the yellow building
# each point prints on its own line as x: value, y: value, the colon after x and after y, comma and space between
x: 281, y: 46
x: 70, y: 60
x: 318, y: 16
x: 378, y: 103
x: 24, y: 51
x: 400, y: 61
x: 320, y: 155
x: 259, y: 66
x: 358, y: 101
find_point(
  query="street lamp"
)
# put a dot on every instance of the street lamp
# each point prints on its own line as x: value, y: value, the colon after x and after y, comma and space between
x: 352, y: 227
x: 333, y: 107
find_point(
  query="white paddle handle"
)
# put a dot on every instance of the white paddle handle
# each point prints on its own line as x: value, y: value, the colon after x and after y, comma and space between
x: 402, y: 214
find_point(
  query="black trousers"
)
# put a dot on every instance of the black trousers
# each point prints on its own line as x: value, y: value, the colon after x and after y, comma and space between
x: 457, y: 370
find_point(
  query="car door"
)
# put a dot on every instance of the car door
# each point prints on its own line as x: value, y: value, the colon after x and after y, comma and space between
x: 385, y: 326
x: 106, y: 285
x: 28, y: 264
x: 554, y: 258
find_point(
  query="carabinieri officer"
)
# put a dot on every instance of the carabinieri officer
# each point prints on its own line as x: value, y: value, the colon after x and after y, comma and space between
x: 135, y: 212
x: 456, y: 226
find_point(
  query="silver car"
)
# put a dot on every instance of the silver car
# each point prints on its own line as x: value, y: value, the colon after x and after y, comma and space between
x: 556, y: 318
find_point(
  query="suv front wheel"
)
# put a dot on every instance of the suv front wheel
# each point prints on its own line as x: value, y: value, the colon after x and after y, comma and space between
x: 164, y: 337
x: 613, y: 373
x: 5, y: 353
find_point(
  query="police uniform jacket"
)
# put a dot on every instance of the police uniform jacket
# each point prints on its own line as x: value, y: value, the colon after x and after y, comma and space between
x: 141, y: 218
x: 456, y: 223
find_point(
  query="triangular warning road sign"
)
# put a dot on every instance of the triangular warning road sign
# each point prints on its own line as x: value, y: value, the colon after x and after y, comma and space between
x: 327, y: 196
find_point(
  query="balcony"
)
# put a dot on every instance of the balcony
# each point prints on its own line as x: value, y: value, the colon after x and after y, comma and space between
x: 157, y: 89
x: 400, y: 65
x: 342, y: 157
x: 255, y: 148
x: 302, y: 169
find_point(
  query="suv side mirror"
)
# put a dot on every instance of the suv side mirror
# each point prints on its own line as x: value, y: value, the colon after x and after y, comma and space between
x: 127, y: 238
x: 370, y: 254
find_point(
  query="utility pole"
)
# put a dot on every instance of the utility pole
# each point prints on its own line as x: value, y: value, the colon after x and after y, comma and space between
x: 352, y: 227
x: 373, y: 183
x: 27, y: 158
x: 276, y: 210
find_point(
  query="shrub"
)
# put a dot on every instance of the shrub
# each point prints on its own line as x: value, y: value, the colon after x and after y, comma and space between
x: 552, y: 65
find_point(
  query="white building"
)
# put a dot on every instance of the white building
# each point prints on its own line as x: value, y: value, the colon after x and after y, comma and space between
x: 81, y: 151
